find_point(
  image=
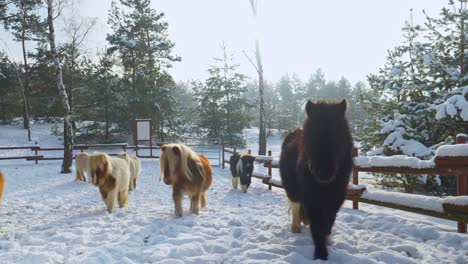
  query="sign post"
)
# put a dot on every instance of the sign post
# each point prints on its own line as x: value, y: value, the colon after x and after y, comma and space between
x: 142, y: 132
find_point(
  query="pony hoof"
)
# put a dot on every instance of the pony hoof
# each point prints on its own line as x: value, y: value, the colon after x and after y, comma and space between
x: 323, y: 257
x: 320, y: 255
x: 178, y: 215
x: 296, y: 229
x: 244, y: 188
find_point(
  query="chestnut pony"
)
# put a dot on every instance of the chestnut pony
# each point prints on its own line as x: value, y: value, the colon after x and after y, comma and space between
x: 188, y: 173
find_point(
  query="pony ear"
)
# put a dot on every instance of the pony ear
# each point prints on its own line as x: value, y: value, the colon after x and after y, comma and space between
x: 176, y: 151
x: 163, y: 147
x: 342, y: 105
x: 310, y: 106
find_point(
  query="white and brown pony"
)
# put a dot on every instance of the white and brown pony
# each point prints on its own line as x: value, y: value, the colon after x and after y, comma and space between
x: 135, y: 168
x: 188, y: 173
x: 112, y: 176
x: 82, y: 165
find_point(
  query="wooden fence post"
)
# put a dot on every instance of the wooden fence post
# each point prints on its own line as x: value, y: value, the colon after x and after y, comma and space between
x: 461, y: 183
x: 269, y: 171
x: 355, y: 177
x: 35, y: 153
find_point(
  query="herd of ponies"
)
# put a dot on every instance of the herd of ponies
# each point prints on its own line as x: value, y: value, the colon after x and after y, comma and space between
x: 315, y: 166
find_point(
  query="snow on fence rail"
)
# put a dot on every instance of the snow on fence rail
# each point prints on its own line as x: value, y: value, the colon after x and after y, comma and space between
x: 450, y: 160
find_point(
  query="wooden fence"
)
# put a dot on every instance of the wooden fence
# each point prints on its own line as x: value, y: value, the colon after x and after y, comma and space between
x: 36, y: 150
x: 447, y: 166
x: 38, y: 153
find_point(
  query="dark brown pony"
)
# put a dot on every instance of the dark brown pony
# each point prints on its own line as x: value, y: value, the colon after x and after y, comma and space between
x: 315, y: 166
x: 188, y: 173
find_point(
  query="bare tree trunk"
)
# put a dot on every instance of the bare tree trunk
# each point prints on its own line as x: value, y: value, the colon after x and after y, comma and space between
x: 25, y: 86
x: 259, y: 68
x: 70, y: 89
x: 107, y: 115
x: 68, y: 119
x: 462, y: 39
x: 3, y: 110
x: 261, y: 87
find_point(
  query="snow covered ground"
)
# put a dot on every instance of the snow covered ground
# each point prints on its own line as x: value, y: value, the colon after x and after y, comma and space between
x: 48, y: 218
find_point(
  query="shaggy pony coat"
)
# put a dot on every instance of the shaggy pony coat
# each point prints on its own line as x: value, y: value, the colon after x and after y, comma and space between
x: 2, y: 186
x: 112, y: 176
x: 315, y: 167
x: 135, y: 168
x: 188, y: 173
x: 241, y: 166
x: 82, y: 165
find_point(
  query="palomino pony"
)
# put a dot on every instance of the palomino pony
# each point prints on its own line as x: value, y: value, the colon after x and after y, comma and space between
x: 315, y: 166
x: 188, y: 173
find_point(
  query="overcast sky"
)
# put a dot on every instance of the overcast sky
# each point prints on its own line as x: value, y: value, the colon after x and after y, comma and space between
x: 344, y: 38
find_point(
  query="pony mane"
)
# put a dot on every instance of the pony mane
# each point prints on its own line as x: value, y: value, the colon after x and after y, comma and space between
x: 168, y: 159
x: 101, y: 165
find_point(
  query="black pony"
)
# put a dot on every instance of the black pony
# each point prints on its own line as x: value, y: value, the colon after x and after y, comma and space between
x: 315, y: 166
x: 241, y: 168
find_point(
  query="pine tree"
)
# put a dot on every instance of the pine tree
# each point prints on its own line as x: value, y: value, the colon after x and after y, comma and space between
x: 140, y: 38
x: 316, y: 82
x: 287, y: 105
x: 8, y: 84
x: 417, y: 79
x: 222, y: 109
x: 22, y: 19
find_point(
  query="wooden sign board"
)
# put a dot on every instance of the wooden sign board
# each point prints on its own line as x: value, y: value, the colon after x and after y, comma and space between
x: 143, y: 130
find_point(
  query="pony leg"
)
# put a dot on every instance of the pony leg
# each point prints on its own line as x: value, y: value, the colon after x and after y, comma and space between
x: 195, y: 203
x: 317, y: 228
x: 134, y: 183
x: 123, y: 199
x: 177, y: 197
x: 330, y: 221
x: 305, y: 219
x: 110, y: 201
x: 235, y: 182
x: 244, y: 188
x: 79, y: 176
x: 296, y: 217
x: 204, y: 199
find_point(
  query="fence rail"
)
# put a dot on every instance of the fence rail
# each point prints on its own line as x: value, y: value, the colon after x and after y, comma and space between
x: 38, y: 153
x: 81, y: 147
x: 447, y: 166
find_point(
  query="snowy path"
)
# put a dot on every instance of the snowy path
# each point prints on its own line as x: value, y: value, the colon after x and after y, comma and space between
x: 48, y: 218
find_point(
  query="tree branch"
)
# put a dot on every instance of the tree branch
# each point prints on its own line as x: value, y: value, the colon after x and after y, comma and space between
x: 251, y: 62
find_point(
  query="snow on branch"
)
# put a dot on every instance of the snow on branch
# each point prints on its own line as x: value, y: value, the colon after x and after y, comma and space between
x: 454, y: 106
